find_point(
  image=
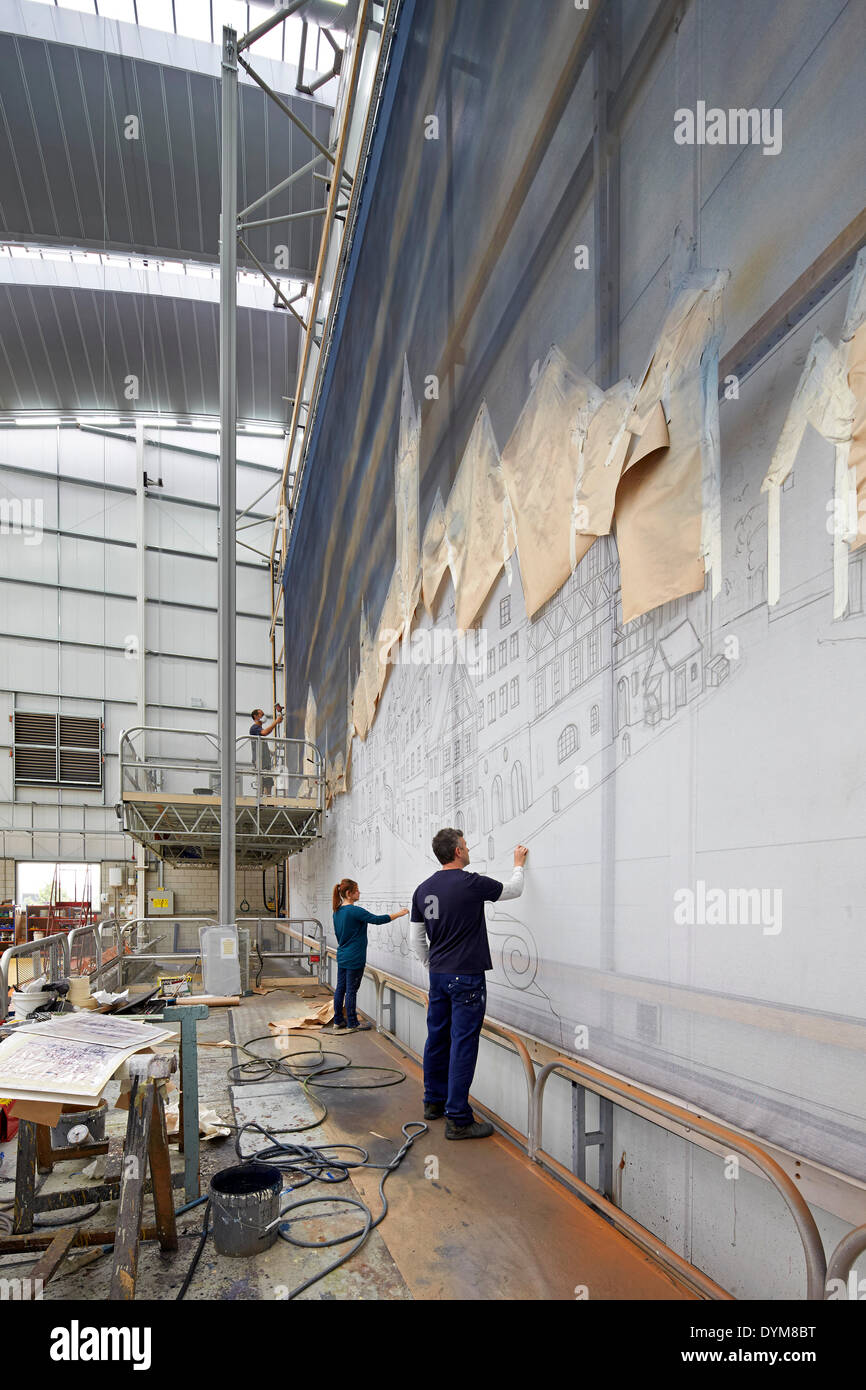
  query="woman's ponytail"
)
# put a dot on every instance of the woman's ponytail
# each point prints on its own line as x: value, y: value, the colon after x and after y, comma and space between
x: 346, y: 885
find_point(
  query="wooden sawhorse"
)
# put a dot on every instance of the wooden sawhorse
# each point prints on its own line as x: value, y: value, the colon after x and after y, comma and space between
x: 146, y: 1144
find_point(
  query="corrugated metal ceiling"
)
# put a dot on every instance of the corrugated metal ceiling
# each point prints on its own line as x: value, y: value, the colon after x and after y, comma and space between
x: 72, y: 350
x: 70, y: 175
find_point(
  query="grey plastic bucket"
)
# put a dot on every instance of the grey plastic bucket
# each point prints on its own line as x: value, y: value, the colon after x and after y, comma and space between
x: 72, y: 1116
x: 245, y: 1200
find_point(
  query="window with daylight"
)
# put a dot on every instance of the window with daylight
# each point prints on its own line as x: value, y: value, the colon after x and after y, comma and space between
x: 505, y: 611
x: 594, y: 720
x: 568, y: 742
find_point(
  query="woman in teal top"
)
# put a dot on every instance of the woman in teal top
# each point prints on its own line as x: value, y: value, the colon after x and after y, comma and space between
x: 350, y: 926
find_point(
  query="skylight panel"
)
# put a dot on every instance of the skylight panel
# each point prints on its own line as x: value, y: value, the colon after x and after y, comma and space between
x: 123, y: 10
x: 193, y: 19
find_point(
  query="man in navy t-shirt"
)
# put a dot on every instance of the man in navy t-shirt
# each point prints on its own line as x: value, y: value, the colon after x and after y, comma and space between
x: 261, y: 752
x: 448, y: 911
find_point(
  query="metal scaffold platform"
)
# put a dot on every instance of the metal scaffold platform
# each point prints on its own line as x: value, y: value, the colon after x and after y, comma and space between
x: 171, y: 800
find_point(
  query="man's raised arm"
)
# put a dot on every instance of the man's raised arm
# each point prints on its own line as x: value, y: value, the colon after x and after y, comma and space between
x: 514, y: 887
x: 418, y: 935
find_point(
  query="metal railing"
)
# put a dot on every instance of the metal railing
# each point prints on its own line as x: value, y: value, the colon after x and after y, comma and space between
x: 316, y: 940
x: 54, y: 946
x: 647, y: 1106
x: 77, y: 939
x: 186, y: 762
x: 843, y: 1257
x: 619, y: 1091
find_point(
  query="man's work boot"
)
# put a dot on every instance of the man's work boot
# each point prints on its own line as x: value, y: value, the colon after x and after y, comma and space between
x: 433, y: 1109
x: 358, y: 1027
x: 476, y: 1129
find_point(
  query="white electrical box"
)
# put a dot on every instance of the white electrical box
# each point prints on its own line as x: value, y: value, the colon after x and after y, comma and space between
x: 160, y: 902
x: 220, y: 963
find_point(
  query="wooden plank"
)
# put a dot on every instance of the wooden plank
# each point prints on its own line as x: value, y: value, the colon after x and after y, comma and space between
x: 25, y: 1177
x: 86, y: 1196
x: 210, y: 1000
x: 40, y: 1240
x: 132, y: 1191
x: 114, y: 1162
x: 44, y: 1268
x: 45, y: 1158
x: 160, y: 1168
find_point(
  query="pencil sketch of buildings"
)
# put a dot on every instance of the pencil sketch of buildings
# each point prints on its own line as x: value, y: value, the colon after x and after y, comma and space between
x: 509, y: 746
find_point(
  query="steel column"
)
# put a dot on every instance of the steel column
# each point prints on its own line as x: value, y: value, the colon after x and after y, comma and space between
x: 227, y: 552
x: 141, y: 629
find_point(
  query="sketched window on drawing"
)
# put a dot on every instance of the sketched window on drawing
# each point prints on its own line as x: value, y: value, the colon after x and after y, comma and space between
x: 491, y: 708
x: 568, y: 742
x: 515, y: 691
x: 622, y: 703
x: 539, y: 694
x: 594, y: 720
x: 497, y: 800
x: 557, y: 680
x: 505, y: 611
x: 503, y: 699
x: 518, y: 789
x: 574, y: 667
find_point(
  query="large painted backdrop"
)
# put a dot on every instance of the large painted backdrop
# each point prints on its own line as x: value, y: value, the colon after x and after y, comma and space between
x: 690, y: 783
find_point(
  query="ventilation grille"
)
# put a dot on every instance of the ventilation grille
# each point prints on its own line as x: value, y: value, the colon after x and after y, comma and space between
x: 58, y: 750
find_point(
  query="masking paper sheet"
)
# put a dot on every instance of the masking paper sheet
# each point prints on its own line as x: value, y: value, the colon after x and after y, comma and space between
x: 854, y: 334
x: 366, y: 688
x: 824, y: 400
x: 391, y: 628
x: 857, y: 454
x: 543, y: 464
x: 407, y: 506
x: 478, y: 528
x: 434, y: 553
x: 660, y: 499
x: 310, y: 733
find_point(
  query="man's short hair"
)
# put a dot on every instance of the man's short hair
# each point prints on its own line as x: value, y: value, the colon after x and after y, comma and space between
x: 445, y: 844
x: 255, y: 715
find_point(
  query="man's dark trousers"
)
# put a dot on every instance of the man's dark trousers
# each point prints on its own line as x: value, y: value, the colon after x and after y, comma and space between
x: 455, y: 1014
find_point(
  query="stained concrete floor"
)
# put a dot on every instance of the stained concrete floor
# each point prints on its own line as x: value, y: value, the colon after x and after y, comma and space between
x: 474, y: 1220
